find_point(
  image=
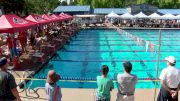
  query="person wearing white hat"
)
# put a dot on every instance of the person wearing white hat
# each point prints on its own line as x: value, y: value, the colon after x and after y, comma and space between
x: 170, y: 81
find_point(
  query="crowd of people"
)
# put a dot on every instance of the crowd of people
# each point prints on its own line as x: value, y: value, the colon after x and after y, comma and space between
x: 169, y: 78
x: 38, y: 40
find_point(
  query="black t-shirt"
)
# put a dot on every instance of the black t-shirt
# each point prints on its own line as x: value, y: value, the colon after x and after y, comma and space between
x: 7, y: 82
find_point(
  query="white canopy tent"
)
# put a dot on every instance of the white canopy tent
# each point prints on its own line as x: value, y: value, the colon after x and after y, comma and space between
x: 127, y: 16
x: 85, y: 16
x: 112, y: 15
x: 178, y: 16
x: 168, y: 16
x: 154, y: 16
x: 141, y: 15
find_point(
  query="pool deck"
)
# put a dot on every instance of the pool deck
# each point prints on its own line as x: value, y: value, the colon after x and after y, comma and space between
x: 88, y: 95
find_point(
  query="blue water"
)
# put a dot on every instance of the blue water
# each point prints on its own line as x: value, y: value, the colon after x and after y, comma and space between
x: 91, y: 49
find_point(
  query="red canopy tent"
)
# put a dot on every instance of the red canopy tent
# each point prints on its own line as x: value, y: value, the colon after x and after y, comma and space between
x: 58, y: 17
x: 67, y: 17
x: 38, y: 19
x: 49, y: 18
x: 12, y: 23
x: 62, y: 16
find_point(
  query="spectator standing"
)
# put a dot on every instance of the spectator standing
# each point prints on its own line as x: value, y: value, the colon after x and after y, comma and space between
x: 170, y: 81
x: 52, y: 89
x: 105, y: 85
x: 126, y: 83
x: 8, y: 91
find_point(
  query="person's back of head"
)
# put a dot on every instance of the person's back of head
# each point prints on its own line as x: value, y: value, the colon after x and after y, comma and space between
x: 105, y: 69
x: 3, y: 62
x: 52, y: 77
x: 127, y: 66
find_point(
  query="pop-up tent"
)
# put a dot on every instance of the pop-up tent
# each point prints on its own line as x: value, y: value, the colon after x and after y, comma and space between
x: 178, y: 16
x: 154, y: 16
x: 49, y: 18
x: 112, y: 15
x: 127, y: 16
x: 68, y: 16
x: 57, y: 17
x: 12, y: 23
x: 141, y: 15
x: 64, y: 16
x: 168, y: 16
x: 38, y: 19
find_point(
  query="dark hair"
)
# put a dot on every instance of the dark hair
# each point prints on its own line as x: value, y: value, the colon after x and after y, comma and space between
x: 127, y: 66
x: 104, y: 69
x: 3, y: 61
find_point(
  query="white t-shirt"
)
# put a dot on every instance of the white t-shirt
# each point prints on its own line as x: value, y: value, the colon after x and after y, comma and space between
x: 171, y: 76
x: 50, y: 91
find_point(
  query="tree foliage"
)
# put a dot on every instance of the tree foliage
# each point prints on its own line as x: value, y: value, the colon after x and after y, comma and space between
x: 125, y: 3
x: 25, y: 7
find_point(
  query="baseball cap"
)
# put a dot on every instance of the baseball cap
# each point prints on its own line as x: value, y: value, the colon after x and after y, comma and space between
x: 171, y: 59
x: 3, y: 61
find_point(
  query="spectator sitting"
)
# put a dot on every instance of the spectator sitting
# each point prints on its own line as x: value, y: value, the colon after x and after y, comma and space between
x: 126, y: 83
x: 105, y: 85
x: 52, y: 89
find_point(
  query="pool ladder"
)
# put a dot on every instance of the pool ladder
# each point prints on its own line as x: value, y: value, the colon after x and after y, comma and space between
x: 27, y: 73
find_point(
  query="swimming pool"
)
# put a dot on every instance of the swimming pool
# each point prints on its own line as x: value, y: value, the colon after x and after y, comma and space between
x: 92, y: 48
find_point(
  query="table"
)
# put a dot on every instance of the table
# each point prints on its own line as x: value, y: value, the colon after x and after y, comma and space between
x: 39, y: 57
x: 53, y: 47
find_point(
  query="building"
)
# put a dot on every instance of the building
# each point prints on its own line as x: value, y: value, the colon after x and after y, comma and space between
x: 145, y: 8
x: 105, y: 11
x: 73, y: 10
x: 86, y: 9
x: 171, y: 11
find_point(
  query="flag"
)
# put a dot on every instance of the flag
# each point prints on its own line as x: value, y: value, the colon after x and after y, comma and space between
x: 147, y: 45
x: 135, y: 39
x: 137, y: 43
x: 140, y: 41
x: 152, y: 49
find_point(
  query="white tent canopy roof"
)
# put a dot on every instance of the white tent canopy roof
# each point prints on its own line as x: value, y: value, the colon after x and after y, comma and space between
x: 178, y: 16
x: 112, y: 15
x: 141, y: 15
x: 154, y: 16
x: 127, y: 16
x: 85, y: 16
x: 168, y: 16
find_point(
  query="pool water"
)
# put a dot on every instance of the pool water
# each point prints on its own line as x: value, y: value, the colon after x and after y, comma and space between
x: 92, y: 48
